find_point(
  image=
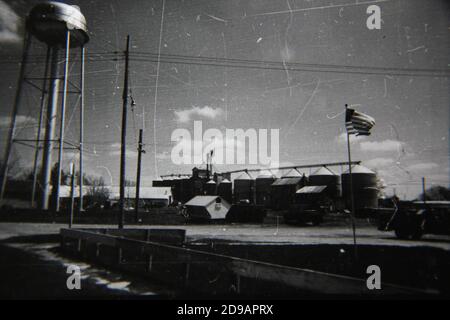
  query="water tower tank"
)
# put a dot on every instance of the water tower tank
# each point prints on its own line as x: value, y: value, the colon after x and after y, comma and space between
x: 325, y: 177
x: 49, y: 22
x: 244, y: 186
x: 365, y: 192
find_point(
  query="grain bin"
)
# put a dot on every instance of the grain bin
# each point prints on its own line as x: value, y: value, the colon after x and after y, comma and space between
x: 365, y: 190
x: 294, y: 173
x: 283, y: 191
x: 325, y: 177
x: 211, y: 188
x: 262, y: 188
x: 225, y: 190
x: 244, y: 188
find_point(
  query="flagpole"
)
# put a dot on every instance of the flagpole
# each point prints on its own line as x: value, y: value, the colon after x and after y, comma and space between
x: 352, y: 200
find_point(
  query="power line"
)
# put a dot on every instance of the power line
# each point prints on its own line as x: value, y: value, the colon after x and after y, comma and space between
x: 271, y: 62
x: 341, y: 69
x: 262, y: 64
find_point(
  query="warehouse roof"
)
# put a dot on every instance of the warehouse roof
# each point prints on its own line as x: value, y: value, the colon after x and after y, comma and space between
x: 201, y: 201
x: 130, y: 192
x: 312, y: 189
x: 144, y: 192
x: 64, y: 191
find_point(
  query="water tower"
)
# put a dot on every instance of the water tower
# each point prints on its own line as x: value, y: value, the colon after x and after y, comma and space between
x: 61, y: 27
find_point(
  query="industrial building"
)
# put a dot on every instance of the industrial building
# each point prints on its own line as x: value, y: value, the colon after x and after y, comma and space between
x: 321, y: 189
x: 150, y: 197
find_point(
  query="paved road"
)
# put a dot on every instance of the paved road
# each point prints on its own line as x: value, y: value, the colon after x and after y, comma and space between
x: 282, y: 234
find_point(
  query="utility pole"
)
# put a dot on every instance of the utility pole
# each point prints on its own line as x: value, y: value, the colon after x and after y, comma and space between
x: 424, y: 190
x: 138, y: 174
x: 124, y: 137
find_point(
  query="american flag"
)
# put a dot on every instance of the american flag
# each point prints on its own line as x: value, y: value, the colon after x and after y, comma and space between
x: 358, y: 123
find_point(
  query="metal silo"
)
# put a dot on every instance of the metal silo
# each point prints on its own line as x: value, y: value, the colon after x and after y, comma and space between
x: 294, y: 173
x: 325, y: 177
x: 211, y: 188
x: 262, y: 188
x: 225, y: 190
x: 283, y: 190
x: 244, y: 187
x: 365, y: 190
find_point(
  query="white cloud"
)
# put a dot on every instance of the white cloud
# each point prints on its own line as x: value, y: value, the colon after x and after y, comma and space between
x: 380, y: 146
x: 423, y: 166
x: 116, y: 151
x: 342, y: 138
x: 379, y: 163
x: 383, y: 146
x: 20, y: 120
x: 186, y: 115
x: 9, y: 24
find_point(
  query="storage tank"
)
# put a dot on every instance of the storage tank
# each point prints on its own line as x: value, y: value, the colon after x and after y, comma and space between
x: 211, y: 188
x: 262, y: 188
x: 365, y: 190
x: 294, y: 173
x: 283, y: 191
x: 244, y: 187
x: 325, y: 177
x: 49, y: 21
x: 225, y: 190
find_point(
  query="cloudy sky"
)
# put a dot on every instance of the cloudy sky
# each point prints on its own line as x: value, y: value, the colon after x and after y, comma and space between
x: 325, y: 57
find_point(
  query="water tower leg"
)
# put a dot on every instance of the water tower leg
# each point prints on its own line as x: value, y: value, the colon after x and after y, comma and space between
x: 12, y: 127
x: 50, y: 129
x: 63, y: 118
x: 41, y: 121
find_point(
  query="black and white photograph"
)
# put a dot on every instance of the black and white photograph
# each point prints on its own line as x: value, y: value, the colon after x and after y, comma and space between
x: 239, y: 152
